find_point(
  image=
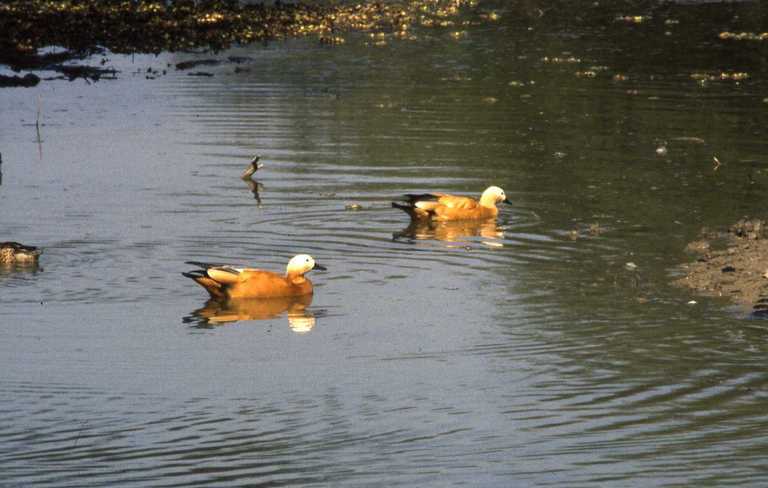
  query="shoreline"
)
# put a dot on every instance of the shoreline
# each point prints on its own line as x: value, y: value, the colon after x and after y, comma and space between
x: 80, y: 28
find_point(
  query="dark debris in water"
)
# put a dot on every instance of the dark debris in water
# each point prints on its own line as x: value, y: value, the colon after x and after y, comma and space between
x: 83, y: 27
x: 195, y: 63
x: 27, y: 80
x: 86, y: 72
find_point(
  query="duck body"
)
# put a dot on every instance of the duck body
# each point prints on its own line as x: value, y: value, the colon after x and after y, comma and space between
x: 224, y: 282
x: 15, y: 253
x: 443, y: 207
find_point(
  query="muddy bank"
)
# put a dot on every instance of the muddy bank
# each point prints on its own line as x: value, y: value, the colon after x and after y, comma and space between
x: 79, y: 28
x: 732, y: 264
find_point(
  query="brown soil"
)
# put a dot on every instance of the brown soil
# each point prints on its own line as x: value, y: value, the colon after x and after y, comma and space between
x: 731, y: 264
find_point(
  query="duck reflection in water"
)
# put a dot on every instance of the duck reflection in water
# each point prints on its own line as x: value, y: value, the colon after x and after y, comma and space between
x: 217, y: 312
x: 452, y: 231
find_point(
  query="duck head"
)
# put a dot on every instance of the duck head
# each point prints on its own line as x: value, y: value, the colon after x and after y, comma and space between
x: 302, y: 263
x: 493, y: 195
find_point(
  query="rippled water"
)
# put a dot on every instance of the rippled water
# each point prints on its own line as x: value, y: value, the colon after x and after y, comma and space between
x: 506, y: 355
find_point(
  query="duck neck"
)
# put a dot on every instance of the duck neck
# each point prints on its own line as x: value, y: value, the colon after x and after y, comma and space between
x: 488, y: 200
x: 296, y: 278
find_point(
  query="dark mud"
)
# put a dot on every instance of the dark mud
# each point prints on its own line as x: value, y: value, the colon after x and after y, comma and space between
x: 732, y: 264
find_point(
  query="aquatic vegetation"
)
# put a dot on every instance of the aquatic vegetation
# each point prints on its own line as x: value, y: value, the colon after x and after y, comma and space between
x: 633, y: 19
x: 490, y: 16
x: 743, y: 36
x: 723, y: 75
x: 559, y: 60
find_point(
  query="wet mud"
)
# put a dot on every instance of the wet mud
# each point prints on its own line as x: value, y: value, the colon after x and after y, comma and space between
x: 732, y: 264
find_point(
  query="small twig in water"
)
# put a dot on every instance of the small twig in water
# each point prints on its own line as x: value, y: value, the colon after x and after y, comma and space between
x: 39, y: 109
x: 80, y: 432
x: 37, y: 126
x: 717, y: 162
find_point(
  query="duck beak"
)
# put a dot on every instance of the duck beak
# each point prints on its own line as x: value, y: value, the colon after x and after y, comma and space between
x: 320, y: 267
x: 506, y: 200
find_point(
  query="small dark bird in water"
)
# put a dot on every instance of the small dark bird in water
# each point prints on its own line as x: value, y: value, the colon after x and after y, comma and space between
x: 252, y: 167
x: 15, y: 253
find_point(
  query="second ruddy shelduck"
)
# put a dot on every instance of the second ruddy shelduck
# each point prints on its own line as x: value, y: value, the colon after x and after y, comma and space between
x: 444, y: 207
x: 224, y: 282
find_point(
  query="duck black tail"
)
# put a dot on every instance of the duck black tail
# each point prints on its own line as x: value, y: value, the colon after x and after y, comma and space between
x: 203, y: 265
x: 419, y: 197
x: 407, y: 208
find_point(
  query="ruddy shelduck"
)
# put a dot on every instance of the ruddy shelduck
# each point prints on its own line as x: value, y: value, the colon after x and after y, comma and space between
x: 15, y: 253
x: 444, y: 207
x: 224, y: 282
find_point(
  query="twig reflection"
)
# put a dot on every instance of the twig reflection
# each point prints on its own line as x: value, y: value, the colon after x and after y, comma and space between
x: 255, y: 188
x: 37, y: 127
x: 253, y: 184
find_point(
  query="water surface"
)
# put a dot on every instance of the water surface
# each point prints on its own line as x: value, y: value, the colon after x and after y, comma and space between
x: 486, y: 356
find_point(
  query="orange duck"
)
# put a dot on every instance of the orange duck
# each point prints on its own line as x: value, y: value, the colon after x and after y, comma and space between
x: 224, y: 282
x: 442, y: 207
